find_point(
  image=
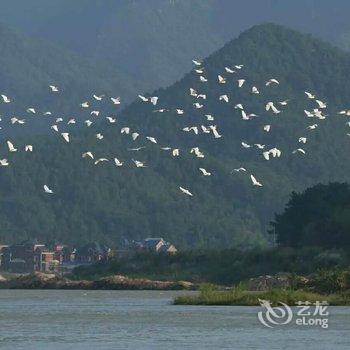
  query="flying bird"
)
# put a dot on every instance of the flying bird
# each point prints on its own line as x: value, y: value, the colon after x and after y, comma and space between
x: 239, y: 169
x: 221, y: 79
x: 117, y: 162
x: 176, y: 152
x: 47, y: 189
x: 125, y: 130
x: 115, y: 100
x: 204, y: 172
x: 254, y: 181
x: 4, y: 162
x: 152, y: 139
x: 65, y: 135
x: 88, y: 154
x: 11, y: 147
x: 135, y: 135
x: 309, y: 95
x: 224, y: 98
x: 185, y: 191
x: 321, y: 104
x: 18, y: 121
x: 53, y: 88
x: 154, y: 100
x: 240, y: 82
x: 111, y: 120
x: 143, y: 98
x: 272, y: 81
x: 197, y: 63
x: 299, y: 150
x: 255, y: 90
x: 312, y: 127
x: 229, y: 70
x: 98, y: 98
x: 136, y: 149
x: 100, y: 160
x: 267, y: 128
x: 139, y: 164
x: 5, y: 99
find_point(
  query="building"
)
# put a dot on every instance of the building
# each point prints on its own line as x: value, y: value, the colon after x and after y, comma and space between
x: 2, y: 249
x: 27, y: 257
x: 168, y: 248
x: 92, y: 252
x: 157, y: 245
x: 44, y: 260
x: 154, y: 244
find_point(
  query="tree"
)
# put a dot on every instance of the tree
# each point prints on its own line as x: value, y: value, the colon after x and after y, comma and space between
x: 317, y: 217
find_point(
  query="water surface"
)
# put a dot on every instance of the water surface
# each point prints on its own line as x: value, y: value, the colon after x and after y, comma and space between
x: 39, y: 319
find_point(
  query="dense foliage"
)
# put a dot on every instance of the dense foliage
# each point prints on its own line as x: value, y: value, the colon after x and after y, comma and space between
x: 317, y: 217
x: 228, y: 266
x: 112, y: 204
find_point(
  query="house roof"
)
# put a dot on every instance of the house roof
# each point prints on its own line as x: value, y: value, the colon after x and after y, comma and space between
x: 152, y: 242
x: 168, y: 247
x: 94, y: 247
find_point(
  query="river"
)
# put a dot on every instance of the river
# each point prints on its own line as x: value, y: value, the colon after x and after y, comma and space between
x: 57, y: 319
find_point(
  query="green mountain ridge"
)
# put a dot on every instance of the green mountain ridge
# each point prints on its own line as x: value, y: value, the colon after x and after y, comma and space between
x: 111, y: 204
x: 29, y: 66
x: 153, y: 41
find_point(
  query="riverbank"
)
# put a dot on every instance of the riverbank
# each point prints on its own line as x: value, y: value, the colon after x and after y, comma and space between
x: 116, y: 282
x: 240, y: 297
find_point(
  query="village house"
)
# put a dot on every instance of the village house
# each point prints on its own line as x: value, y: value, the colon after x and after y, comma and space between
x: 158, y: 245
x: 27, y: 257
x: 92, y: 252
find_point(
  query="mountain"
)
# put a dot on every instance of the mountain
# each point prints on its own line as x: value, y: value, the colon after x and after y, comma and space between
x: 29, y: 66
x: 153, y: 41
x: 110, y: 204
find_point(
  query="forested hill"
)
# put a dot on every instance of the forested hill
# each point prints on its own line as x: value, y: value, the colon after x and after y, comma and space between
x: 29, y: 65
x: 154, y: 40
x: 108, y: 203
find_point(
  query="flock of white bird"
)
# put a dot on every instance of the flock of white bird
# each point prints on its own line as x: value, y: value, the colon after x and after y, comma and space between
x: 199, y: 99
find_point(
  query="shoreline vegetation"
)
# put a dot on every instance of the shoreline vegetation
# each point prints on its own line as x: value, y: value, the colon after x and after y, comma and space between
x: 332, y: 286
x: 239, y: 297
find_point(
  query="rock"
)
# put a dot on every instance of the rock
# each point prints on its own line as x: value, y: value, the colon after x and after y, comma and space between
x: 123, y: 282
x: 39, y: 280
x: 31, y: 281
x: 266, y: 282
x: 2, y: 279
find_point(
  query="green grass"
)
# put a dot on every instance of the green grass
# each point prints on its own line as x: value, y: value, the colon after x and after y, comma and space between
x: 237, y: 296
